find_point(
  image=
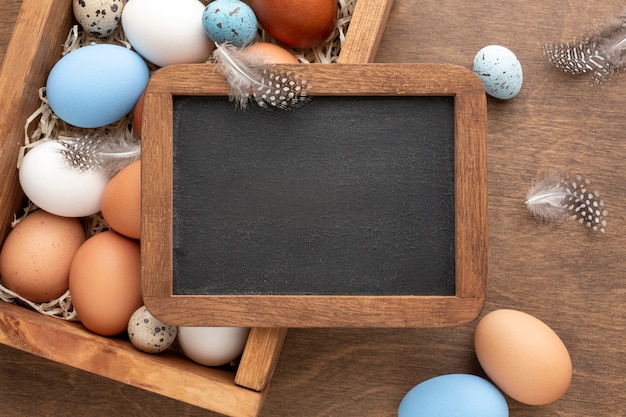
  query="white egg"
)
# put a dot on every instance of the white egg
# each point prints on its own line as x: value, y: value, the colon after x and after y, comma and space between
x: 499, y: 70
x: 149, y: 334
x: 49, y: 181
x: 167, y: 32
x: 212, y: 346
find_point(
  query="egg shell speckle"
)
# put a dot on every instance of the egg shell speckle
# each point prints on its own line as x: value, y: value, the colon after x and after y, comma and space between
x: 149, y: 334
x: 99, y: 17
x: 499, y: 70
x: 231, y: 21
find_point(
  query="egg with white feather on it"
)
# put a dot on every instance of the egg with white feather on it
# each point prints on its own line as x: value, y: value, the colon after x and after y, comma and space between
x: 499, y: 70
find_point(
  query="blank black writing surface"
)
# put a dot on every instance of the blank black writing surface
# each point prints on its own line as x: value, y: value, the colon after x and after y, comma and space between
x: 343, y: 196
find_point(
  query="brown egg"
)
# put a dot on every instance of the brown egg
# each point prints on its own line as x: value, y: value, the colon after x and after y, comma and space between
x: 523, y: 357
x: 137, y: 114
x: 271, y: 53
x: 36, y: 256
x: 121, y: 201
x: 296, y: 23
x: 105, y: 282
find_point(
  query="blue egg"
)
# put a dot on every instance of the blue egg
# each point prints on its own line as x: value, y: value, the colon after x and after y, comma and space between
x: 96, y: 85
x: 499, y: 70
x: 230, y: 21
x: 461, y: 395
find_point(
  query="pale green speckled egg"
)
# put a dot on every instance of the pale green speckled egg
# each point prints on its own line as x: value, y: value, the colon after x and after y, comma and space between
x: 499, y: 70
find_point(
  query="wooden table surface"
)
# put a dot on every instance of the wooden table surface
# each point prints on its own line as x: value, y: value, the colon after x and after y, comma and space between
x: 571, y: 279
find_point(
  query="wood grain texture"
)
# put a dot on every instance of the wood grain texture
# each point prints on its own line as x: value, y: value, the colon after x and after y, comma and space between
x: 30, y: 57
x: 572, y: 280
x: 168, y: 375
x: 260, y: 357
x: 365, y: 31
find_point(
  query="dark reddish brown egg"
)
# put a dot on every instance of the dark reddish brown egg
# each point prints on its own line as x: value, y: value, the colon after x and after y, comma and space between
x: 297, y: 23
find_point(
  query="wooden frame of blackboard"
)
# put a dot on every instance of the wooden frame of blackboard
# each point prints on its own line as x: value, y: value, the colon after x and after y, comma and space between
x: 320, y: 310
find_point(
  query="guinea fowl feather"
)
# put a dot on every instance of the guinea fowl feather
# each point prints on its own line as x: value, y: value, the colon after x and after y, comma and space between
x: 602, y: 52
x: 100, y: 153
x: 252, y: 77
x: 555, y: 198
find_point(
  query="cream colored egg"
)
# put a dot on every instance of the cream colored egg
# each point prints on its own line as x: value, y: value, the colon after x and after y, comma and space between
x: 212, y: 346
x: 36, y: 256
x: 149, y: 334
x: 101, y: 18
x: 523, y: 357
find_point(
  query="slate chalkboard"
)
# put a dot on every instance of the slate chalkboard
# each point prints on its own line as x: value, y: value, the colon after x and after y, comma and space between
x: 364, y: 207
x: 346, y: 195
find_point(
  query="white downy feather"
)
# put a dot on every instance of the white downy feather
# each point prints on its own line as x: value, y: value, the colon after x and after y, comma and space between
x: 547, y: 199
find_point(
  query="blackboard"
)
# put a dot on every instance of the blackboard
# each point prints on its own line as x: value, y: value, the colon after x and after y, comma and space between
x: 346, y: 195
x: 353, y: 198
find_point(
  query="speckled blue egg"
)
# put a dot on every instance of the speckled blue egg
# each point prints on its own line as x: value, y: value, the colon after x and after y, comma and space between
x: 499, y: 70
x: 96, y: 85
x: 454, y: 395
x: 231, y: 21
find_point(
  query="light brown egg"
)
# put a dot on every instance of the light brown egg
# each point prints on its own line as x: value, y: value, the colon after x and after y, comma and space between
x: 121, y: 201
x: 105, y: 282
x: 137, y: 115
x: 271, y: 53
x: 36, y: 256
x: 523, y: 357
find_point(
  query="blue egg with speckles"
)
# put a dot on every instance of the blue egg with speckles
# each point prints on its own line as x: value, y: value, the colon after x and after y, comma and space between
x: 230, y: 21
x: 462, y: 395
x: 499, y: 70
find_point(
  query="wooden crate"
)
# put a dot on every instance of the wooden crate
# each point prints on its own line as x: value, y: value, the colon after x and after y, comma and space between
x: 41, y: 28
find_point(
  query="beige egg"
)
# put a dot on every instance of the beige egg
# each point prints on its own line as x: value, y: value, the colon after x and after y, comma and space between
x: 121, y: 201
x: 105, y: 282
x: 99, y: 17
x: 149, y: 334
x: 271, y: 53
x: 36, y: 256
x: 523, y: 357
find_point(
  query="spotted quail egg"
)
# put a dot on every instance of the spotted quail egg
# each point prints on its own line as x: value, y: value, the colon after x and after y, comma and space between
x: 149, y: 334
x: 98, y: 17
x: 499, y: 70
